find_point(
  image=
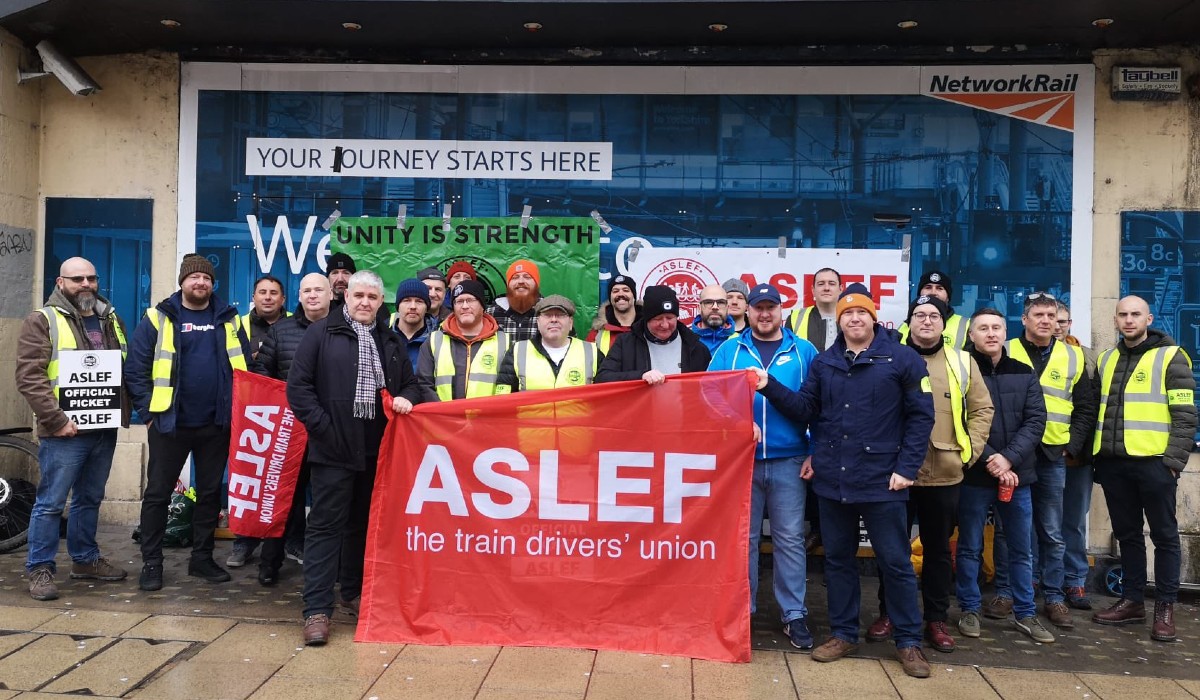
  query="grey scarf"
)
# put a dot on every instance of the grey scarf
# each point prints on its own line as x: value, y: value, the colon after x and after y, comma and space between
x: 370, y: 369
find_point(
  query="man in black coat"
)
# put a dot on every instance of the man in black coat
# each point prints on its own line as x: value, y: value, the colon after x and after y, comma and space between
x: 656, y: 345
x: 343, y: 362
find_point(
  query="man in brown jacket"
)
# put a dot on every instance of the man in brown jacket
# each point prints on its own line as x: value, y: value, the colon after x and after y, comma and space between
x: 963, y: 411
x: 71, y: 457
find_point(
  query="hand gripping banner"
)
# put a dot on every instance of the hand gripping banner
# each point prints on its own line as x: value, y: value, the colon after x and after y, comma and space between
x: 612, y: 516
x: 266, y: 447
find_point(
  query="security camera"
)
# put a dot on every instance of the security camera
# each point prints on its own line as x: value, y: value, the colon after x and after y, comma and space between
x: 63, y: 67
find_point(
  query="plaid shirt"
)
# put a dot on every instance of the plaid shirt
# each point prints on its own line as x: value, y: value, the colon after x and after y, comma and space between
x: 517, y: 326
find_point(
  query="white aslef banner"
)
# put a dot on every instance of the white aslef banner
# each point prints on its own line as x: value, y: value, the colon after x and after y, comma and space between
x: 689, y: 270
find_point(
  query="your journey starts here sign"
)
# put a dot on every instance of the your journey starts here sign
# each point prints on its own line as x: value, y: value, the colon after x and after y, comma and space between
x: 504, y: 160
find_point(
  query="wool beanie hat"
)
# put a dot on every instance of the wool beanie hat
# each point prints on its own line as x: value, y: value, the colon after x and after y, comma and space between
x: 733, y: 284
x: 937, y: 277
x: 468, y: 288
x: 462, y: 266
x: 412, y: 287
x: 856, y: 296
x: 193, y: 263
x: 659, y: 300
x: 625, y: 280
x: 523, y: 266
x: 926, y: 299
x: 341, y: 261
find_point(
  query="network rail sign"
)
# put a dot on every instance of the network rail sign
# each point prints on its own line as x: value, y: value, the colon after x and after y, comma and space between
x: 1040, y: 95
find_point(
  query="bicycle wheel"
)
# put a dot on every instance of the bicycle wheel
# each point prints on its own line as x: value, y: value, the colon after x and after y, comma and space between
x: 19, y: 475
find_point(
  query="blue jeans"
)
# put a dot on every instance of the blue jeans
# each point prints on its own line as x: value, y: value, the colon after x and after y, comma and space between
x: 1047, y: 494
x: 779, y: 490
x: 78, y: 465
x: 1017, y: 518
x: 887, y: 525
x: 1077, y: 501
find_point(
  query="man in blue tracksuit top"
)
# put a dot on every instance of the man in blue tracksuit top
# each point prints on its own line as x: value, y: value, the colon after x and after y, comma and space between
x: 783, y: 447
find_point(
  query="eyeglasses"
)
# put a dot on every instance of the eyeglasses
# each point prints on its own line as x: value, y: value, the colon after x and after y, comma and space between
x: 922, y: 316
x: 1064, y: 321
x: 713, y: 302
x: 78, y: 279
x: 467, y: 302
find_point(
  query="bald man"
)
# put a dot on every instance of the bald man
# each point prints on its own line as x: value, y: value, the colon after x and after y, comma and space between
x: 71, y: 457
x: 712, y: 322
x: 1144, y: 435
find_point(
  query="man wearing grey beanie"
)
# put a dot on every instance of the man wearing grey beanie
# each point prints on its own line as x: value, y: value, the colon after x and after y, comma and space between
x: 736, y: 292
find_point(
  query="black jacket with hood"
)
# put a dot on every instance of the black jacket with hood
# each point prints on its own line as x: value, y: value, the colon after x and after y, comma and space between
x: 629, y: 357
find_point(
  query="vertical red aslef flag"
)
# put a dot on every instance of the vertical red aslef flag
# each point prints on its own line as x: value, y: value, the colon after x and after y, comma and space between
x: 613, y: 516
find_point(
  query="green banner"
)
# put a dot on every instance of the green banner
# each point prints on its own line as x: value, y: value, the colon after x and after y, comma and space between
x: 565, y: 249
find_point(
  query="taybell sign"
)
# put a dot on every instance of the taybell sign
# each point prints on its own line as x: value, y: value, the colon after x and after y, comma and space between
x: 1147, y: 82
x: 555, y: 524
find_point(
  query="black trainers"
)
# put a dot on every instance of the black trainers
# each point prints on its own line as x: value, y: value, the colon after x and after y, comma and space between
x: 151, y: 578
x: 208, y: 570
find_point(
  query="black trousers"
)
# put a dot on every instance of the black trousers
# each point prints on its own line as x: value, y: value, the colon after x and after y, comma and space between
x: 936, y: 509
x: 209, y: 448
x: 340, y: 508
x: 273, y: 547
x: 1133, y: 489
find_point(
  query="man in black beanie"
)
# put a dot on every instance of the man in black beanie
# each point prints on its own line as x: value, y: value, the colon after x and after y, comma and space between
x: 938, y: 285
x: 656, y: 345
x: 617, y: 315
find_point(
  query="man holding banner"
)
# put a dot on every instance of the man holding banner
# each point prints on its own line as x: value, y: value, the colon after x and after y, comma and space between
x: 74, y: 334
x: 657, y: 345
x: 342, y: 364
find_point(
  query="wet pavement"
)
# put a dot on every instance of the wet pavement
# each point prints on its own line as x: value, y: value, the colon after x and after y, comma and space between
x: 239, y: 640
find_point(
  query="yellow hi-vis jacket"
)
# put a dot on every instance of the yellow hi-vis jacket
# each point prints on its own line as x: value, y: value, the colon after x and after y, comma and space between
x: 162, y: 367
x: 63, y: 338
x: 1146, y: 402
x: 1063, y: 371
x: 534, y: 371
x: 481, y: 370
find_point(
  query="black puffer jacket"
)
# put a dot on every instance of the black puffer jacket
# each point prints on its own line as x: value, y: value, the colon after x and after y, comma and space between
x: 1017, y: 424
x: 274, y: 358
x: 1183, y: 416
x: 629, y: 357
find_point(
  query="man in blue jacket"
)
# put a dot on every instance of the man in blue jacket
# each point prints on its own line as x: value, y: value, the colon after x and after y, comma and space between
x: 867, y: 402
x: 179, y: 373
x: 712, y: 324
x: 777, y: 487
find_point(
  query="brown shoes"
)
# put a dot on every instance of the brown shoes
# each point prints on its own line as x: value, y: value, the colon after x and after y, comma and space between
x: 41, y: 584
x: 881, y: 629
x: 1122, y: 612
x: 316, y: 630
x: 1059, y: 615
x: 998, y: 608
x: 1163, y: 629
x: 833, y: 649
x: 100, y: 570
x: 913, y: 661
x: 939, y: 637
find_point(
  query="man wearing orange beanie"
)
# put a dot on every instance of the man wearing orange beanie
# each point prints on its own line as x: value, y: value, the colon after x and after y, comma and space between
x: 514, y: 311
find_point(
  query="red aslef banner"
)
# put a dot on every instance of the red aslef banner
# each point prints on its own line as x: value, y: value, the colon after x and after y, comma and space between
x: 266, y: 447
x: 613, y: 516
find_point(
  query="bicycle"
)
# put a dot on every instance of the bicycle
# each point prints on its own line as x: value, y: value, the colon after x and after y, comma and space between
x: 19, y: 475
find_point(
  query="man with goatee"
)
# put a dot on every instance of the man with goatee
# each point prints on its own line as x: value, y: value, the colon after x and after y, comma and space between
x: 514, y: 311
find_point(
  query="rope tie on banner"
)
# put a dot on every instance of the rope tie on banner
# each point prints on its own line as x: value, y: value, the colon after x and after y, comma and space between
x: 525, y: 213
x: 446, y: 218
x: 401, y: 216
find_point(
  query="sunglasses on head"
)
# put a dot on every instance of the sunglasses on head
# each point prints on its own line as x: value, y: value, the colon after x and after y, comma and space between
x: 1038, y: 296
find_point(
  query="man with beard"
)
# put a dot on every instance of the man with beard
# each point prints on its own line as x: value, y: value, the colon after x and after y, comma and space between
x: 514, y: 311
x: 274, y: 360
x: 341, y: 365
x: 179, y: 374
x: 712, y: 324
x: 412, y: 320
x: 617, y: 315
x: 1143, y: 438
x: 435, y: 282
x: 818, y: 323
x: 339, y: 269
x: 736, y: 292
x: 656, y: 346
x: 462, y: 358
x: 74, y: 318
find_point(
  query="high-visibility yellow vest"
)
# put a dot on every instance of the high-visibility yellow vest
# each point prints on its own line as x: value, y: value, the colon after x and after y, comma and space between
x: 536, y: 373
x: 1063, y: 371
x: 955, y: 332
x: 605, y: 339
x: 958, y: 371
x: 244, y: 321
x: 800, y: 320
x: 1146, y: 400
x: 63, y: 338
x: 481, y: 370
x: 162, y: 367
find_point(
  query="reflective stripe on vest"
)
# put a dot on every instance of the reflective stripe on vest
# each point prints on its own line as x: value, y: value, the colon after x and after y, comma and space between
x: 605, y: 339
x: 578, y: 367
x: 800, y: 320
x: 955, y: 332
x: 481, y: 378
x: 162, y: 365
x: 1063, y: 371
x: 959, y: 373
x: 63, y: 338
x: 244, y: 321
x: 1146, y: 403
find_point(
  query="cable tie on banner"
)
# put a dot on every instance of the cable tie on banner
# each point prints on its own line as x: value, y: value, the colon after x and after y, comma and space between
x: 446, y: 218
x: 602, y: 223
x: 401, y: 216
x: 783, y: 246
x: 525, y: 212
x: 906, y: 248
x: 337, y: 214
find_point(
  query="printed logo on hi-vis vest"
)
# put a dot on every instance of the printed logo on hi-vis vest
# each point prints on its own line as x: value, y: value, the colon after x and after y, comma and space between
x: 1040, y: 94
x: 488, y: 361
x: 1139, y: 376
x: 575, y: 377
x: 1055, y: 375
